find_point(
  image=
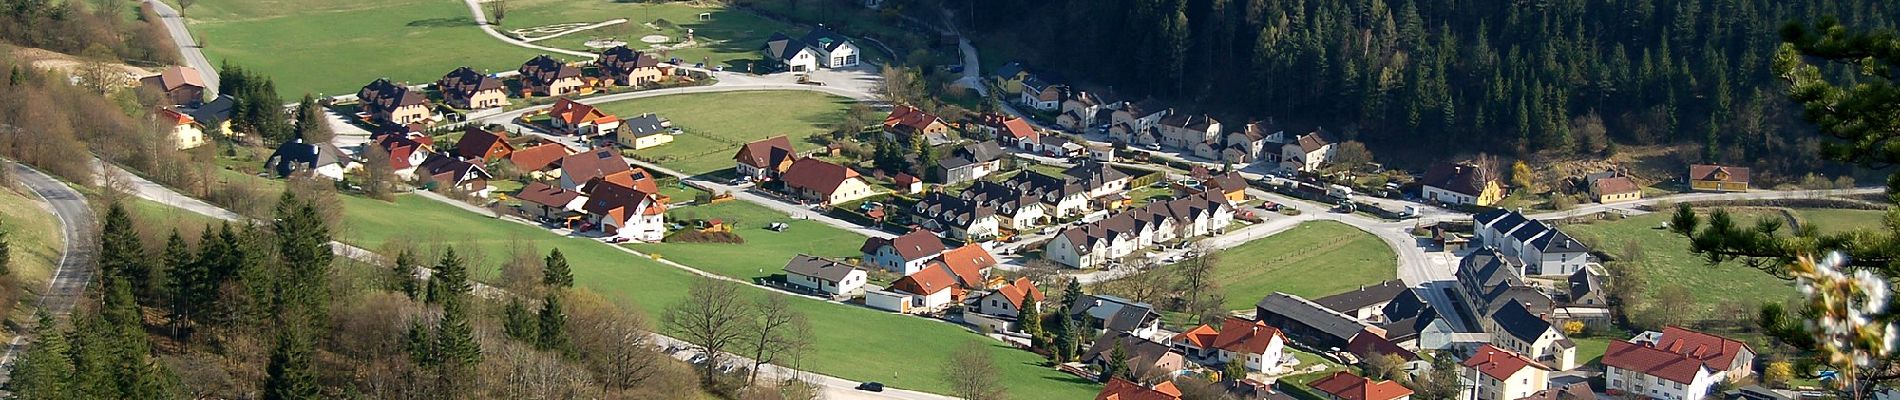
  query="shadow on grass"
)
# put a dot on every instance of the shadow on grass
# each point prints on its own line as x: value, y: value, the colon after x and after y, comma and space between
x: 443, y: 22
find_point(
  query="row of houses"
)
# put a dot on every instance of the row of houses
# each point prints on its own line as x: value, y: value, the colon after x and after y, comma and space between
x: 597, y: 192
x: 1122, y: 234
x: 1025, y: 201
x: 394, y: 104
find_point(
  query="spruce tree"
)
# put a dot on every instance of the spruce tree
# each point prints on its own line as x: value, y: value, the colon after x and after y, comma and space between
x: 403, y: 276
x: 303, y: 249
x: 518, y: 323
x: 1030, y: 319
x: 1062, y: 338
x: 556, y: 273
x: 450, y: 279
x: 45, y: 370
x: 456, y: 349
x: 290, y: 375
x: 311, y: 124
x: 120, y: 251
x: 1117, y: 366
x: 552, y: 324
x: 419, y: 344
x: 6, y: 255
x: 185, y: 286
x: 91, y: 357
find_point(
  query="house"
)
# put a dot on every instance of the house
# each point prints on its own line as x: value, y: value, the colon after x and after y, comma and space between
x: 1307, y: 152
x: 821, y: 47
x: 1462, y: 184
x: 905, y: 254
x: 1309, y: 323
x: 1010, y: 131
x: 1344, y: 385
x: 1575, y: 391
x: 1545, y: 250
x: 1009, y: 77
x: 1258, y: 346
x: 933, y: 289
x: 478, y: 143
x: 971, y: 265
x: 405, y: 152
x: 1183, y: 131
x: 1012, y: 207
x: 546, y: 76
x: 1084, y: 109
x: 1414, y: 325
x: 1121, y: 234
x: 1229, y: 185
x: 628, y: 67
x: 824, y: 276
x: 537, y: 159
x: 1718, y: 178
x: 466, y: 89
x: 578, y: 169
x: 908, y: 184
x: 215, y: 115
x: 1586, y: 290
x: 390, y: 103
x: 790, y: 53
x: 462, y: 176
x: 955, y: 217
x: 320, y: 159
x: 1615, y: 190
x: 765, y: 159
x: 1369, y: 343
x: 1042, y: 95
x: 644, y: 132
x: 185, y: 133
x: 812, y: 179
x: 1499, y: 374
x: 1367, y: 303
x: 1063, y: 196
x: 906, y: 123
x: 1514, y: 327
x: 1487, y: 280
x: 621, y: 211
x: 1145, y: 357
x: 180, y: 85
x: 1135, y: 117
x: 576, y: 118
x: 1114, y: 314
x: 1100, y: 178
x: 1007, y: 301
x: 1122, y: 389
x: 551, y: 203
x: 970, y: 162
x: 1675, y: 364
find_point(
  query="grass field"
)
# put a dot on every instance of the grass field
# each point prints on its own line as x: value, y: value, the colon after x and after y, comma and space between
x: 1666, y: 261
x: 765, y: 251
x: 716, y: 124
x: 849, y: 342
x: 728, y: 36
x: 1590, y: 349
x: 1839, y: 220
x: 1312, y: 260
x: 336, y: 46
x: 34, y: 236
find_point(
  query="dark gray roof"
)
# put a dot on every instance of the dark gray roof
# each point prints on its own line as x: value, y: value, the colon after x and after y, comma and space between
x: 818, y: 267
x: 1508, y: 221
x: 1132, y: 317
x: 1529, y: 230
x: 1364, y: 296
x: 1488, y: 217
x: 1093, y: 174
x: 1520, y: 323
x: 1409, y: 327
x: 980, y: 152
x: 951, y: 211
x: 644, y: 125
x: 1140, y: 351
x: 825, y: 38
x: 1584, y: 284
x: 783, y: 47
x: 214, y: 112
x: 296, y: 154
x: 1406, y: 305
x: 1010, y: 69
x: 1558, y: 242
x: 1292, y: 307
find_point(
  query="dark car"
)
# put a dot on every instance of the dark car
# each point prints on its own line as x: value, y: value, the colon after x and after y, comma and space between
x: 871, y: 387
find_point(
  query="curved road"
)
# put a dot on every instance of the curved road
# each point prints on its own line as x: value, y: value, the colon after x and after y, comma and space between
x: 75, y: 270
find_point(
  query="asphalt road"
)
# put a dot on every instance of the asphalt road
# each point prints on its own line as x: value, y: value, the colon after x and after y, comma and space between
x: 187, y: 47
x: 75, y: 270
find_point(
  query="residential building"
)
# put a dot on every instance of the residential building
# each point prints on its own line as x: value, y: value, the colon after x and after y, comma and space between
x: 1007, y: 301
x: 622, y: 211
x: 1145, y: 357
x: 576, y: 118
x: 1307, y: 152
x: 1085, y: 109
x: 1010, y: 207
x: 628, y: 67
x: 552, y: 203
x: 1344, y: 385
x: 1183, y: 131
x: 644, y: 132
x: 1545, y: 250
x: 443, y: 171
x: 215, y: 115
x: 578, y: 169
x: 955, y: 217
x: 906, y: 123
x: 1132, y: 117
x: 1515, y: 328
x: 971, y: 265
x: 1042, y: 95
x: 1258, y: 346
x: 1499, y: 374
x: 1115, y: 314
x: 765, y: 159
x: 1099, y: 178
x: 1121, y: 234
x: 1063, y: 196
x: 180, y: 85
x: 1718, y: 178
x: 1011, y: 131
x: 1009, y: 77
x: 821, y: 47
x: 320, y: 159
x: 536, y: 160
x: 1574, y: 391
x: 1309, y: 323
x: 1726, y: 358
x: 1367, y: 303
x: 390, y: 103
x: 185, y: 133
x: 970, y: 162
x: 837, y: 279
x: 905, y: 254
x: 478, y: 143
x: 468, y: 90
x: 933, y: 289
x: 812, y: 179
x: 1615, y: 190
x: 1631, y: 369
x: 545, y: 76
x: 1461, y: 184
x: 405, y: 152
x: 789, y: 54
x: 1122, y: 389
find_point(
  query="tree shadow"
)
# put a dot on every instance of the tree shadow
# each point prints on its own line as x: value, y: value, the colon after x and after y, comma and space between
x: 442, y: 22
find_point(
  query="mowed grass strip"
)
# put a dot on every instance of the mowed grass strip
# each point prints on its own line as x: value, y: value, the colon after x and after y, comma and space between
x: 848, y: 341
x: 335, y: 47
x: 764, y: 252
x: 33, y: 233
x: 716, y: 124
x: 1312, y: 260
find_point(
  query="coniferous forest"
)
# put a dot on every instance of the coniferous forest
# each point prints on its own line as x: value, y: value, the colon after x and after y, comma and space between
x: 1416, y: 76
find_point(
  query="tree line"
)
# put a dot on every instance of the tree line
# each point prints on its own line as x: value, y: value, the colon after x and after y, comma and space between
x: 1513, y: 77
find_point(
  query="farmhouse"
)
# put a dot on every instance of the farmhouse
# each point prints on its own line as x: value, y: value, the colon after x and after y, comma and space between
x: 466, y: 89
x: 1615, y: 189
x: 186, y: 133
x: 812, y: 179
x: 1367, y: 303
x: 1307, y: 323
x: 180, y: 85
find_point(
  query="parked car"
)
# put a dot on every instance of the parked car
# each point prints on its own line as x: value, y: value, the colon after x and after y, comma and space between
x: 871, y: 387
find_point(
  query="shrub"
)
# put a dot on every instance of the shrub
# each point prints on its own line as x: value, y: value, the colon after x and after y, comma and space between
x: 696, y: 236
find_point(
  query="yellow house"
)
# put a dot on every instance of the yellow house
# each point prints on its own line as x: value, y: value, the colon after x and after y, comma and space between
x: 1009, y: 78
x: 185, y: 131
x: 1718, y: 178
x: 1615, y: 190
x: 1461, y: 184
x: 644, y: 131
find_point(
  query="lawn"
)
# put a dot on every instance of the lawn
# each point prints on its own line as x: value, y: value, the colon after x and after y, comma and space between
x: 1590, y: 349
x: 849, y: 342
x: 1312, y: 260
x: 765, y: 251
x: 1830, y: 220
x: 716, y: 124
x: 728, y: 36
x: 34, y: 236
x: 1666, y: 261
x: 334, y: 47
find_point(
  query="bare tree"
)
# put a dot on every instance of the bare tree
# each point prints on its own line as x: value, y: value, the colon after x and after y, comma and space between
x: 1196, y: 273
x: 613, y: 343
x: 778, y: 328
x: 972, y: 373
x: 497, y: 10
x: 522, y: 272
x: 711, y: 318
x: 1487, y: 167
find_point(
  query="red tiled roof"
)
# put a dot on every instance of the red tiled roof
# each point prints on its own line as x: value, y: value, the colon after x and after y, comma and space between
x: 177, y: 76
x: 1120, y: 389
x: 592, y: 164
x: 574, y: 113
x: 1018, y: 128
x: 538, y: 157
x: 636, y: 178
x: 909, y: 116
x: 817, y: 175
x: 1369, y: 343
x: 765, y: 153
x: 1498, y: 363
x: 551, y: 196
x: 1661, y: 364
x: 1346, y: 386
x: 1716, y: 351
x: 1200, y: 337
x: 176, y: 117
x: 1246, y: 337
x: 932, y: 279
x: 1617, y: 185
x: 968, y: 262
x: 1015, y: 290
x: 1705, y: 172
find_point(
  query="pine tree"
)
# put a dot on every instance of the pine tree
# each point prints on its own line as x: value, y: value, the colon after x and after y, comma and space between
x: 552, y: 325
x: 303, y: 248
x: 91, y: 357
x: 518, y: 323
x: 456, y: 349
x: 120, y: 251
x: 403, y: 274
x: 187, y: 284
x: 450, y: 279
x: 290, y: 375
x: 312, y: 126
x: 1030, y: 319
x: 556, y: 273
x: 1117, y: 366
x: 420, y: 346
x: 45, y: 370
x: 1063, y: 338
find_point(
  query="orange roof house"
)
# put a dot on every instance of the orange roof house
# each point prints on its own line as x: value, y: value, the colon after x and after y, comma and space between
x: 1718, y: 178
x: 971, y: 263
x: 765, y: 158
x: 180, y: 85
x: 478, y: 143
x: 906, y: 122
x: 1122, y: 389
x: 1344, y: 385
x: 538, y: 157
